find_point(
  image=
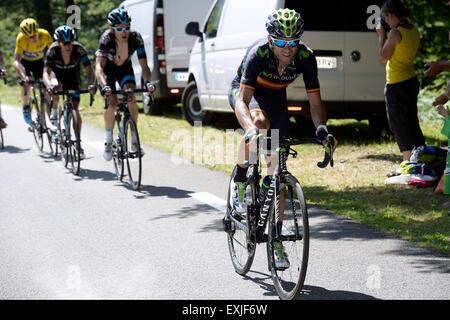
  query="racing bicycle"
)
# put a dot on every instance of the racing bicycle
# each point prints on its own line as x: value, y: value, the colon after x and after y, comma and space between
x: 280, y: 215
x: 67, y: 135
x: 126, y: 146
x: 38, y: 106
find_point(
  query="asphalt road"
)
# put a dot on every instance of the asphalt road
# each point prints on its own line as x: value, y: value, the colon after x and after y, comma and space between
x: 91, y: 237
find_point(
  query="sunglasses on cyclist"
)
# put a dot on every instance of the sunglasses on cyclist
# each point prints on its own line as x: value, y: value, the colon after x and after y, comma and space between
x: 121, y: 29
x: 283, y: 43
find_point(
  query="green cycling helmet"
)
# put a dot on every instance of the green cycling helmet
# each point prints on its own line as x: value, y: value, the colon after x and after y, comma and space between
x: 285, y: 23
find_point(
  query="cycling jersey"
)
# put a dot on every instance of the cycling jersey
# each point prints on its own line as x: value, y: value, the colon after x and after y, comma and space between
x: 33, y: 51
x: 107, y: 48
x: 67, y: 74
x: 259, y: 71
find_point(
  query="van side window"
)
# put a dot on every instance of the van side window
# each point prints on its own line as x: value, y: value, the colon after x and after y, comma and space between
x: 212, y: 25
x: 320, y: 15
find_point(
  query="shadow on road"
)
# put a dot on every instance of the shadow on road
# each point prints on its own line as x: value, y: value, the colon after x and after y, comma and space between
x: 147, y: 191
x: 96, y: 175
x: 192, y: 211
x: 319, y: 293
x: 264, y: 280
x: 14, y: 150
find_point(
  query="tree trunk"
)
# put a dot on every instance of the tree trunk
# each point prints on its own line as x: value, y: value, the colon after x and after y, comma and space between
x: 44, y: 14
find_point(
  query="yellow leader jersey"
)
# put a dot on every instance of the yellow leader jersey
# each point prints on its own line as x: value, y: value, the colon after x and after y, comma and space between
x: 33, y: 51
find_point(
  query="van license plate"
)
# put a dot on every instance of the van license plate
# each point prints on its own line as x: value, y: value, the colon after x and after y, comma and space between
x: 180, y: 76
x: 326, y: 62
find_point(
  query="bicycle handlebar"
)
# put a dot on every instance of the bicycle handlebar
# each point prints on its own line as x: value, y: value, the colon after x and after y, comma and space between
x: 68, y: 92
x: 288, y: 142
x: 329, y: 148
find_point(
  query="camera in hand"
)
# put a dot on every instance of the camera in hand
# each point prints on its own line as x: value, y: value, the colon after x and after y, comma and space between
x: 385, y: 25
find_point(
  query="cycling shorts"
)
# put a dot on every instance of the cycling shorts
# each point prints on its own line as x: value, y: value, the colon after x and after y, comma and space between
x: 121, y: 74
x: 35, y: 68
x: 273, y: 103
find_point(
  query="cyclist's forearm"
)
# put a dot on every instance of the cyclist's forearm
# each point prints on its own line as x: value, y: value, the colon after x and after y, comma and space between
x: 90, y: 75
x: 146, y: 74
x: 19, y: 69
x: 99, y: 73
x: 46, y: 77
x: 318, y: 114
x: 243, y: 115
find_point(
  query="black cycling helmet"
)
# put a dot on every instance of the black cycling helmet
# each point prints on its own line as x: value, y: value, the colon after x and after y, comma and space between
x: 285, y: 23
x: 119, y: 16
x: 64, y: 34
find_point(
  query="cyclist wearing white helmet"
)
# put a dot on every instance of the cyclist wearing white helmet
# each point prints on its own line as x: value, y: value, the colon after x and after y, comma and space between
x: 113, y: 64
x: 258, y: 93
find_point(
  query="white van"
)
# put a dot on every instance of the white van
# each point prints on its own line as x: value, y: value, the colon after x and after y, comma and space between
x: 161, y: 24
x: 343, y: 38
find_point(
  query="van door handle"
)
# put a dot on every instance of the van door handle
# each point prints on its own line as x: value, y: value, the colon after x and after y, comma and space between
x: 356, y: 56
x: 213, y: 44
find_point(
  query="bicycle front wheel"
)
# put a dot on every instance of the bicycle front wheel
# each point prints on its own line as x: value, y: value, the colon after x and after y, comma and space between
x: 292, y: 231
x: 133, y: 154
x: 37, y: 127
x: 118, y: 152
x: 241, y: 239
x: 73, y: 143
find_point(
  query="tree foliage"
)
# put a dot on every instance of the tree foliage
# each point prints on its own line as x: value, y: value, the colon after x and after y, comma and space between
x: 431, y: 17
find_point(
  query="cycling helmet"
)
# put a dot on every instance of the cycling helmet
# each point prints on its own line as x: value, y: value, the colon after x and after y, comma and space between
x: 29, y: 27
x: 64, y: 34
x: 285, y: 23
x: 119, y: 16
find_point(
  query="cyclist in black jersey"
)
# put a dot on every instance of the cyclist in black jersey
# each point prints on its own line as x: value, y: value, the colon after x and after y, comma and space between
x: 64, y: 58
x: 113, y: 64
x: 258, y: 94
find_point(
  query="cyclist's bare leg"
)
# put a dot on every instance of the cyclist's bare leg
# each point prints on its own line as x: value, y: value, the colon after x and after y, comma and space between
x: 75, y: 106
x: 26, y: 94
x: 108, y: 115
x: 132, y: 106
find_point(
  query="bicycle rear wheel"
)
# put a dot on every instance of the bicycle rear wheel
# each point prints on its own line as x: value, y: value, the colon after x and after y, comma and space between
x: 73, y: 143
x: 241, y: 239
x: 293, y: 233
x: 133, y: 154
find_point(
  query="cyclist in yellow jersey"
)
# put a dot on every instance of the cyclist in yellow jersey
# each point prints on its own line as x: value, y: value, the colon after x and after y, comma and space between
x: 31, y: 45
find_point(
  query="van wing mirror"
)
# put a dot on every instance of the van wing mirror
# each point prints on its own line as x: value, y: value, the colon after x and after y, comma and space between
x: 193, y: 29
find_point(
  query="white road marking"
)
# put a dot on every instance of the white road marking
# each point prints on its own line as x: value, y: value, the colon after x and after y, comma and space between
x: 211, y: 200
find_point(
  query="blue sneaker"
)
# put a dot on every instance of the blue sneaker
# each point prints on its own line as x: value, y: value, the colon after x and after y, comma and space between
x: 27, y: 115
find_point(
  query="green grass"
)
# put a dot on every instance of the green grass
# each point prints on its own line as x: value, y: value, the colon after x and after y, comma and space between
x: 353, y: 188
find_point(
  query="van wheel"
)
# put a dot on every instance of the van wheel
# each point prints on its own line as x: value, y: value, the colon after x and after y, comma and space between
x: 192, y: 109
